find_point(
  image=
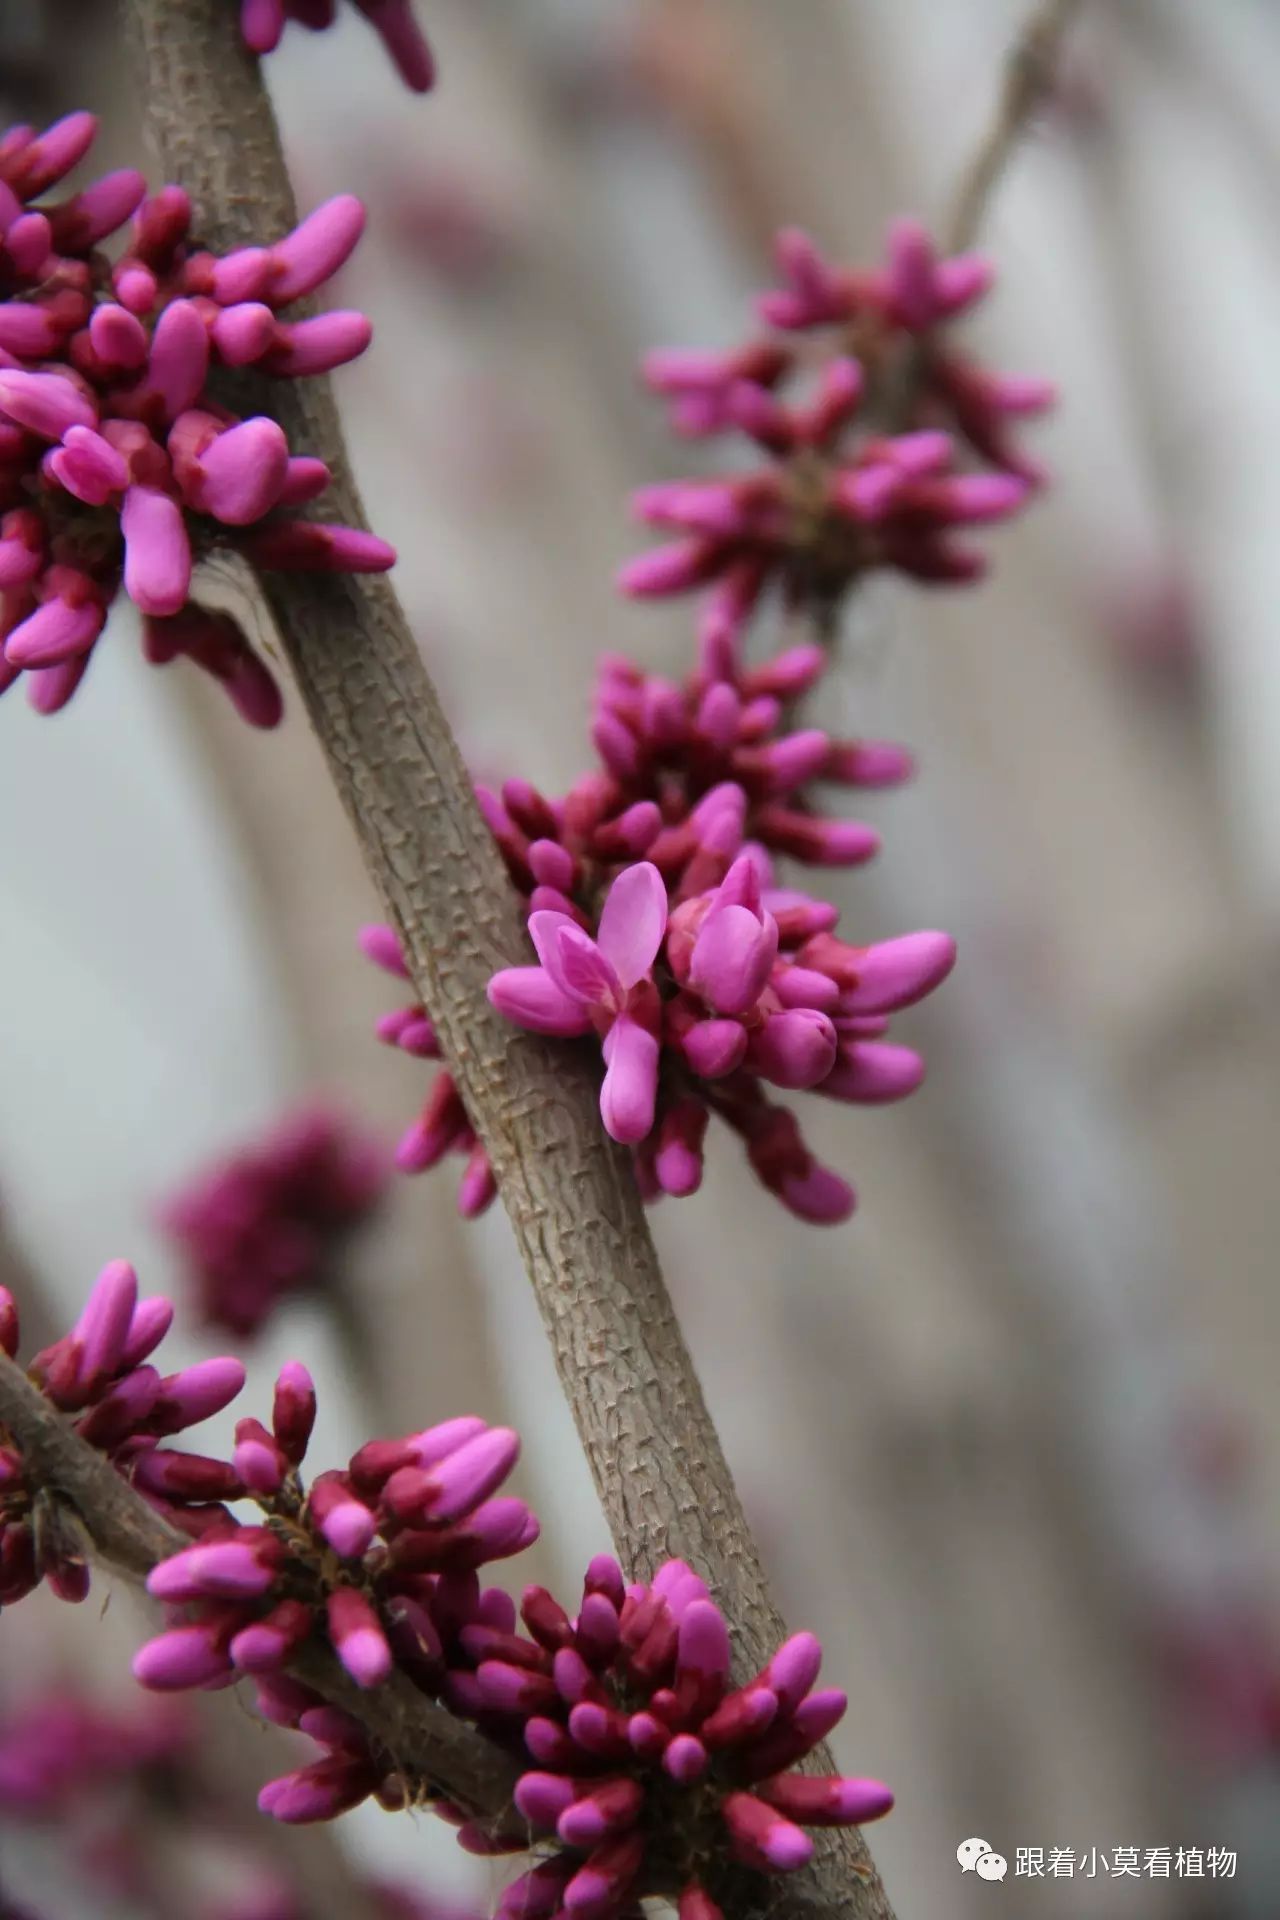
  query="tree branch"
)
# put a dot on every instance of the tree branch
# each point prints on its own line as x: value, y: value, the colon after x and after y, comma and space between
x: 654, y: 1453
x: 1029, y: 70
x: 422, y: 1738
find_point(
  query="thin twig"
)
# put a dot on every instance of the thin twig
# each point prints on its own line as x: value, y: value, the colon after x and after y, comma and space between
x: 1030, y: 66
x: 422, y: 1739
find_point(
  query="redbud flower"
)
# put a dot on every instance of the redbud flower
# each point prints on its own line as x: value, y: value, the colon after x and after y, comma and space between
x: 272, y: 1219
x: 360, y: 1557
x: 119, y: 464
x: 262, y: 22
x: 841, y: 493
x: 606, y: 984
x: 641, y: 1744
x: 99, y: 1375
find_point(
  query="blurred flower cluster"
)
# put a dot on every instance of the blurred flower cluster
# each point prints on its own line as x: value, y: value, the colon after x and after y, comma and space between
x: 273, y: 1218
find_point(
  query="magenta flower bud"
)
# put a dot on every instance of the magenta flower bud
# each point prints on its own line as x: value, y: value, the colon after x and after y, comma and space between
x: 794, y: 1049
x: 715, y: 1048
x: 151, y: 1321
x: 804, y: 987
x: 227, y: 1570
x: 303, y: 546
x: 241, y: 472
x: 265, y: 1645
x: 741, y: 1717
x: 293, y: 1410
x: 46, y: 157
x: 103, y: 1328
x: 536, y: 1895
x: 179, y: 359
x: 629, y: 1093
x: 357, y: 1636
x: 381, y: 944
x: 157, y: 567
x: 816, y: 1802
x: 88, y: 466
x: 671, y: 569
x: 319, y: 1792
x: 29, y: 331
x: 600, y: 1729
x: 973, y: 499
x: 733, y: 957
x: 186, y: 1476
x: 685, y: 1759
x: 597, y: 1627
x: 28, y: 242
x: 182, y: 1658
x: 316, y: 248
x: 872, y: 1072
x: 258, y: 1460
x: 791, y: 1740
x: 543, y: 1797
x: 820, y: 843
x: 508, y: 1689
x: 887, y: 976
x: 678, y: 1152
x: 305, y: 479
x: 793, y: 1669
x: 346, y: 1523
x: 9, y: 1324
x: 608, y: 1809
x: 44, y: 403
x: 242, y: 277
x: 195, y: 1394
x: 553, y: 865
x: 867, y: 763
x: 88, y: 217
x: 318, y: 345
x: 762, y: 1838
x: 602, y: 1885
x: 56, y: 634
x: 118, y: 337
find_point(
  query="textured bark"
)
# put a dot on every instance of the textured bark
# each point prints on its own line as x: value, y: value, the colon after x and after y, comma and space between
x: 656, y: 1459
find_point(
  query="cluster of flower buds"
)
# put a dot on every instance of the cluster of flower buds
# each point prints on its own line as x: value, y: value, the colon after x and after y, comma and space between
x: 866, y: 468
x: 57, y: 1743
x: 262, y: 22
x: 706, y: 984
x: 371, y: 1557
x: 99, y: 1375
x: 657, y: 917
x: 649, y: 1769
x: 272, y: 1219
x: 119, y: 465
x: 108, y: 1777
x: 649, y: 1763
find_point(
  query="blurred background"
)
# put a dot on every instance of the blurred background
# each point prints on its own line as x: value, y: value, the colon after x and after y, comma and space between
x: 1011, y: 1437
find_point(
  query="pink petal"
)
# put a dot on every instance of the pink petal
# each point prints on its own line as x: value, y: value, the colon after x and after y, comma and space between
x: 530, y: 997
x: 582, y: 969
x: 630, y: 1090
x: 242, y: 472
x: 733, y: 957
x: 634, y: 921
x: 157, y: 566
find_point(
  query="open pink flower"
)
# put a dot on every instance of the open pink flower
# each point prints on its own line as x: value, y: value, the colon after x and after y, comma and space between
x: 605, y: 984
